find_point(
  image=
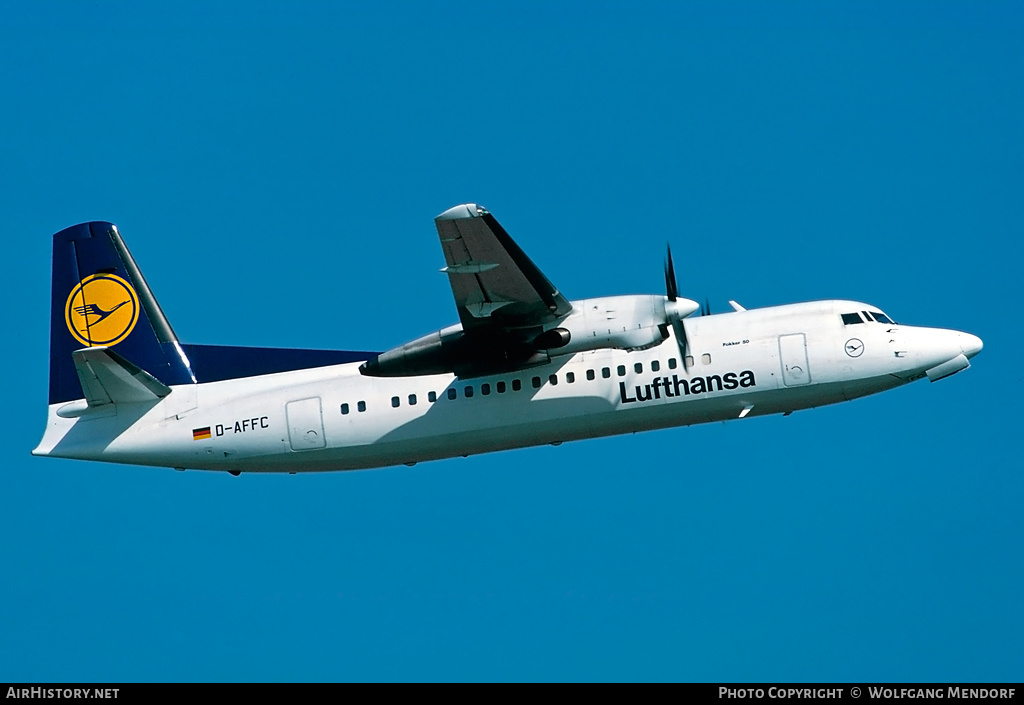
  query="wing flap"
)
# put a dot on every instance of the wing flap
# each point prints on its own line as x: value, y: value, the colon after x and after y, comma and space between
x: 107, y: 378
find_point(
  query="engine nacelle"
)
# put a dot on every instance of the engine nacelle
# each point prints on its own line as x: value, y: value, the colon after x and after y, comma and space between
x: 552, y: 339
x: 621, y: 322
x: 452, y: 350
x: 434, y: 353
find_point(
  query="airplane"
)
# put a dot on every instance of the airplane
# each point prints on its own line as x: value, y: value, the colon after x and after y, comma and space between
x: 523, y: 367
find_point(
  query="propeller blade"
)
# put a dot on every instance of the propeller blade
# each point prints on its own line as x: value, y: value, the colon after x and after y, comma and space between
x: 670, y: 277
x: 680, y: 330
x: 676, y: 315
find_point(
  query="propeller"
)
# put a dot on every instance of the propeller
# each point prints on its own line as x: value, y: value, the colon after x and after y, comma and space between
x: 677, y: 309
x: 671, y: 290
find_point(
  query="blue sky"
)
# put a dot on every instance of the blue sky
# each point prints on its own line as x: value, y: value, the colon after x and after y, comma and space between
x: 275, y: 170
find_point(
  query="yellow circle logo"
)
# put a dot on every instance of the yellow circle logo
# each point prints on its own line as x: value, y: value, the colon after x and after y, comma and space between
x: 102, y: 310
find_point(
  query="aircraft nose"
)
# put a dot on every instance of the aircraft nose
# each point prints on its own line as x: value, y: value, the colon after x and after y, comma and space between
x: 970, y: 344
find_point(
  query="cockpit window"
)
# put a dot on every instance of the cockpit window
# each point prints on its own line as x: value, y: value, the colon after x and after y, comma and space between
x: 866, y: 316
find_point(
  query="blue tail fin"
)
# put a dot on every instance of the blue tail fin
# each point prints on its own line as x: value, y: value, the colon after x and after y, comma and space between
x: 99, y: 298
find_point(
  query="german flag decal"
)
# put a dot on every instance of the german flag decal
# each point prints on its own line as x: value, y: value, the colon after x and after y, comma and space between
x: 200, y: 434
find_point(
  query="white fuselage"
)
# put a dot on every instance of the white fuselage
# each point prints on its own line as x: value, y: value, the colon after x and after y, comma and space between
x: 746, y: 363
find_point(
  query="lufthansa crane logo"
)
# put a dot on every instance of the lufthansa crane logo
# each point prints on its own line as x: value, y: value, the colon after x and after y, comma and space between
x: 102, y: 310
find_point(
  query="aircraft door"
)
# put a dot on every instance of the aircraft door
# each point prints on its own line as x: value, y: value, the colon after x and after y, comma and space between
x: 793, y: 355
x: 305, y: 424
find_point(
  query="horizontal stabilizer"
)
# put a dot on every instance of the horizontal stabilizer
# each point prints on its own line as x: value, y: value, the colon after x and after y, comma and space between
x: 107, y: 378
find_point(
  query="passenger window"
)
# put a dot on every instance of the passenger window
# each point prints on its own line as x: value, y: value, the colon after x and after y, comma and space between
x: 851, y: 318
x: 570, y: 377
x: 412, y: 400
x: 553, y: 379
x: 671, y: 363
x: 485, y: 389
x: 501, y: 387
x: 516, y: 385
x: 706, y: 358
x: 536, y: 382
x: 655, y: 365
x: 394, y: 402
x: 621, y: 369
x: 590, y: 375
x: 638, y: 367
x: 361, y: 406
x: 344, y: 408
x: 469, y: 392
x: 689, y: 361
x: 452, y: 393
x: 605, y: 372
x: 431, y: 396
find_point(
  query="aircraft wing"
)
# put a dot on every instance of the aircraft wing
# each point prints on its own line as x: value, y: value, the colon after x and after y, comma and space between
x: 496, y: 286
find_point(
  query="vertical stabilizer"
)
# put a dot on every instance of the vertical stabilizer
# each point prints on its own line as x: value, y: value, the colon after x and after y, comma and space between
x: 100, y: 298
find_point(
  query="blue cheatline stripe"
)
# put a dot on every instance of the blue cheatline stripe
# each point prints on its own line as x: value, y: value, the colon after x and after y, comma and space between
x: 215, y: 363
